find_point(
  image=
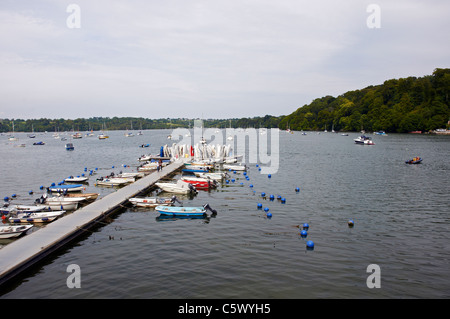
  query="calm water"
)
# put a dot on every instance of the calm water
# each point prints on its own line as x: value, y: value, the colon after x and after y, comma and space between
x: 400, y: 213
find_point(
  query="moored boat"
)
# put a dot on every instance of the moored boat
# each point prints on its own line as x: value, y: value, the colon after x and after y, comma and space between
x: 67, y: 188
x: 12, y: 231
x: 113, y: 181
x: 36, y: 217
x: 199, y: 182
x: 184, y: 211
x: 76, y: 179
x: 152, y: 201
x: 237, y: 167
x: 180, y: 187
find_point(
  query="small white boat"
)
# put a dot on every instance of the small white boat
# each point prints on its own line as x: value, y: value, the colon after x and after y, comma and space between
x: 234, y: 167
x: 129, y: 175
x: 85, y: 196
x: 77, y: 179
x: 12, y: 231
x: 185, y: 211
x: 113, y: 181
x: 179, y: 187
x: 8, y: 209
x: 60, y: 202
x: 152, y: 201
x: 36, y: 217
x: 215, y: 176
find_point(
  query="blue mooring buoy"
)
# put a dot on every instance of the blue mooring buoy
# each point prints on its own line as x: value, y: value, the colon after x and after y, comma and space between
x: 266, y: 209
x: 297, y: 189
x: 269, y: 215
x: 303, y: 233
x: 351, y: 223
x: 310, y: 245
x: 259, y: 206
x: 305, y: 226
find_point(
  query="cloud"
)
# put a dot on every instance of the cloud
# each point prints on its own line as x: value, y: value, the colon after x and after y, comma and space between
x: 206, y: 58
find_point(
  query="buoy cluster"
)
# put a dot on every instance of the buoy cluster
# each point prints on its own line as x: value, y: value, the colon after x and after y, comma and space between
x: 282, y: 200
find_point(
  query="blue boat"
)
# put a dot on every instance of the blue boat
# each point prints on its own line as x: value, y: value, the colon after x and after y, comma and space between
x: 184, y: 211
x: 69, y: 147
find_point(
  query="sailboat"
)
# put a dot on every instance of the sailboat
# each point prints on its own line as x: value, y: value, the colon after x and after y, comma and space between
x: 129, y: 134
x: 12, y: 137
x: 102, y: 135
x: 32, y: 135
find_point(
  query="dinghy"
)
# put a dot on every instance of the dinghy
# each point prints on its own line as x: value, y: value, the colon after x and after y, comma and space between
x: 234, y: 167
x: 152, y: 201
x: 12, y: 231
x: 180, y: 187
x: 199, y: 182
x: 184, y: 211
x: 114, y: 181
x: 77, y: 179
x: 66, y: 188
x: 36, y: 217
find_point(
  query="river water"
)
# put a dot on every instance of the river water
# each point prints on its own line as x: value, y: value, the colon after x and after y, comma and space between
x: 400, y: 215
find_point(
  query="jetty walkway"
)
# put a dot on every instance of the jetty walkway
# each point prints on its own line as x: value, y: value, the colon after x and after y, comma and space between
x: 26, y: 251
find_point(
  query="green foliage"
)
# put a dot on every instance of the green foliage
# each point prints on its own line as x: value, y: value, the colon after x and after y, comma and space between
x: 403, y: 105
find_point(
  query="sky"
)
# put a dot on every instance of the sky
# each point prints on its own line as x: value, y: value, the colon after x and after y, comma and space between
x: 207, y: 58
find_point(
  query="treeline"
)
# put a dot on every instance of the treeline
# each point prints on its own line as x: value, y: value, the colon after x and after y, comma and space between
x: 403, y: 105
x: 398, y: 105
x: 127, y: 123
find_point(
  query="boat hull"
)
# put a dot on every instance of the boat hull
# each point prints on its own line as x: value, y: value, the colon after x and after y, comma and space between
x: 150, y: 202
x: 42, y: 217
x: 181, y: 211
x: 13, y: 231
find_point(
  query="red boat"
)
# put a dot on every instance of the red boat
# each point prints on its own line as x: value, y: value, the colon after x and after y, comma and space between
x: 200, y: 183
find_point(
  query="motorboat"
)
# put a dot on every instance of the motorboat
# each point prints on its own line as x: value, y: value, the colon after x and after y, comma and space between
x: 415, y: 160
x: 86, y: 196
x: 180, y: 187
x: 184, y: 211
x: 36, y: 217
x: 364, y: 140
x: 152, y: 201
x: 382, y: 133
x: 70, y: 147
x: 12, y: 231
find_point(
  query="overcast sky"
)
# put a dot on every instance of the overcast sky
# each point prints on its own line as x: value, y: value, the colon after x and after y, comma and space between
x: 209, y: 58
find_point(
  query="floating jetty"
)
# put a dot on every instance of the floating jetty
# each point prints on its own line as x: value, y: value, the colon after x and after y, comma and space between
x: 21, y: 254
